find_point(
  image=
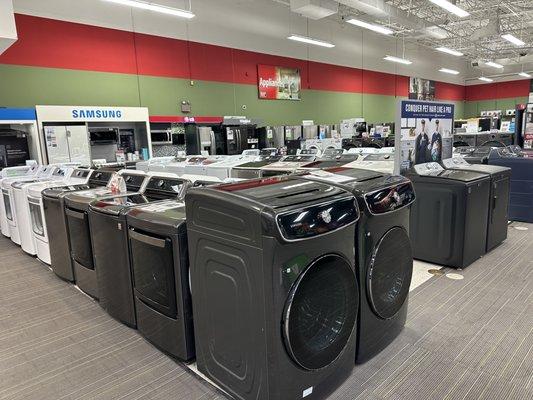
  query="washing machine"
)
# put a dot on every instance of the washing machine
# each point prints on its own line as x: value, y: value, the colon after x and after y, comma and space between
x: 330, y: 161
x: 160, y: 266
x: 465, y: 139
x: 383, y: 254
x: 35, y: 205
x: 109, y: 238
x: 178, y: 167
x: 521, y: 197
x: 253, y: 169
x: 22, y: 208
x: 148, y: 165
x: 201, y: 167
x: 500, y: 188
x: 222, y: 169
x: 275, y: 296
x: 44, y: 172
x: 380, y: 162
x: 450, y: 215
x: 55, y: 220
x: 79, y: 231
x: 287, y: 165
x: 22, y: 172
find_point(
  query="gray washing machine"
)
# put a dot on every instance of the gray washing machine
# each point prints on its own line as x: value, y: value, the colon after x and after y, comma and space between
x: 56, y: 221
x: 109, y: 238
x: 79, y: 232
x: 449, y: 218
x: 275, y: 295
x: 500, y: 188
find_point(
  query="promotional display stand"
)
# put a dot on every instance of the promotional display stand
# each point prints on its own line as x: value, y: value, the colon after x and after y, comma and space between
x: 16, y: 149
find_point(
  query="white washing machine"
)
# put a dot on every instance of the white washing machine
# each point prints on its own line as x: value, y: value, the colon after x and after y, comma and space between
x: 178, y: 167
x: 147, y: 165
x: 379, y: 162
x: 201, y: 168
x: 20, y: 227
x: 79, y: 176
x: 222, y: 169
x: 10, y: 173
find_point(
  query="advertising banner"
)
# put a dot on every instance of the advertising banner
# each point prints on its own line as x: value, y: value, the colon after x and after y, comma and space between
x: 278, y: 83
x: 424, y: 133
x: 421, y: 89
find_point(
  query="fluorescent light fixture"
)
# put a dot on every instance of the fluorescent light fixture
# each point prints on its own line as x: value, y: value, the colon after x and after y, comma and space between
x: 525, y: 74
x: 450, y: 51
x: 494, y: 64
x: 398, y: 60
x: 449, y: 71
x: 372, y: 27
x: 308, y: 40
x: 513, y: 39
x: 452, y: 8
x: 485, y: 79
x: 154, y: 7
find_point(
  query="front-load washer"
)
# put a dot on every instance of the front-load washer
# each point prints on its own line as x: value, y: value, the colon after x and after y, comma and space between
x: 109, y: 237
x: 274, y: 291
x: 500, y: 188
x: 449, y: 220
x: 160, y: 269
x: 79, y: 230
x: 383, y: 260
x: 35, y: 203
x: 12, y: 173
x: 287, y: 165
x: 22, y: 208
x: 55, y: 220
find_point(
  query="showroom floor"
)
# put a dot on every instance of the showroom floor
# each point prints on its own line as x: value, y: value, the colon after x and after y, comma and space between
x: 468, y: 338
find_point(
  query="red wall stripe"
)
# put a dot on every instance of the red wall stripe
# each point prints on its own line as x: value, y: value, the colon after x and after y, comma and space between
x: 449, y: 91
x: 498, y: 90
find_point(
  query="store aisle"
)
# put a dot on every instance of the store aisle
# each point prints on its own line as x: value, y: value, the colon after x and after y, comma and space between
x: 470, y: 338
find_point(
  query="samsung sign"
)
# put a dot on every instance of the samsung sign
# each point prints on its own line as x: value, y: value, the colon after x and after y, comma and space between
x: 96, y: 113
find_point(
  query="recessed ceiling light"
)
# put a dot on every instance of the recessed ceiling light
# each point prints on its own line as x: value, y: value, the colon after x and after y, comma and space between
x: 308, y: 40
x: 451, y: 8
x: 154, y: 7
x: 525, y: 74
x: 398, y: 60
x: 449, y: 71
x: 513, y: 39
x: 494, y: 64
x: 485, y: 79
x: 450, y: 51
x: 372, y: 27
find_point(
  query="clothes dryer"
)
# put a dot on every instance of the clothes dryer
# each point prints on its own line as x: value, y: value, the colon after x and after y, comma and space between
x: 109, y: 238
x: 76, y: 210
x: 500, y: 188
x: 55, y: 220
x: 383, y: 255
x: 449, y: 215
x: 275, y: 295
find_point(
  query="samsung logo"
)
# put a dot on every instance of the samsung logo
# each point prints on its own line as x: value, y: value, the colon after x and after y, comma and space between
x: 96, y: 114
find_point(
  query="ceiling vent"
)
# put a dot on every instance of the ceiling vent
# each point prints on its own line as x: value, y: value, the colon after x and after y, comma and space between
x: 314, y: 9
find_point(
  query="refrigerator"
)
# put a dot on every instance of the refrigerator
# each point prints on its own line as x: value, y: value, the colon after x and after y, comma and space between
x: 234, y: 139
x: 67, y: 143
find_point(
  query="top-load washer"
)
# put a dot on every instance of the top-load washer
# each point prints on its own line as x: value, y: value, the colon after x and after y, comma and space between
x: 500, y: 187
x: 178, y: 167
x: 521, y: 196
x: 55, y: 220
x: 253, y: 169
x: 109, y: 237
x: 76, y: 210
x: 201, y: 167
x: 10, y: 173
x: 222, y: 169
x: 329, y: 161
x: 148, y: 165
x: 287, y: 165
x: 379, y: 162
x: 449, y: 215
x: 383, y: 255
x: 35, y: 204
x: 275, y: 295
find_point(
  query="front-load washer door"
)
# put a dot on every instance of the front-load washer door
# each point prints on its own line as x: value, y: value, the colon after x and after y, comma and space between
x: 37, y: 221
x: 389, y: 273
x: 321, y: 312
x: 152, y: 260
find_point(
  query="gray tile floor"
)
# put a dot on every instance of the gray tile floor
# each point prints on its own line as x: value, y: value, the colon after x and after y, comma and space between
x: 464, y: 339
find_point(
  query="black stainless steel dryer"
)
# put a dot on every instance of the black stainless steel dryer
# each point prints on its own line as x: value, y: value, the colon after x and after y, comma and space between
x: 275, y: 296
x: 56, y: 221
x: 500, y: 188
x: 76, y: 209
x: 384, y: 260
x: 160, y: 266
x: 449, y: 215
x: 109, y: 238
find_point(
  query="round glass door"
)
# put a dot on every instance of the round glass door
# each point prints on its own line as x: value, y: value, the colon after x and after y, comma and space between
x: 390, y: 273
x: 321, y: 312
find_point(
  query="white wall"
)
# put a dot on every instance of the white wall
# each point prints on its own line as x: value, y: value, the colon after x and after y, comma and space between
x: 256, y: 25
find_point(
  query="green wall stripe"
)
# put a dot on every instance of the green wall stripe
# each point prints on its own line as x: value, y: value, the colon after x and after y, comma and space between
x: 473, y: 108
x: 27, y: 86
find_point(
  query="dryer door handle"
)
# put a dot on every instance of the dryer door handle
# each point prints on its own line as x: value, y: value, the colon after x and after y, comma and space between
x: 150, y: 240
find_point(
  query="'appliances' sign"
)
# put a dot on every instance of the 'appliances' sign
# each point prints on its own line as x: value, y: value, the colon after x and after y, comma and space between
x: 278, y: 83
